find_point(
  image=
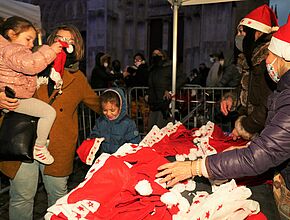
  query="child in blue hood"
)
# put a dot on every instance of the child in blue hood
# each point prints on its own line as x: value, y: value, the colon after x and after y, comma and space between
x: 114, y: 125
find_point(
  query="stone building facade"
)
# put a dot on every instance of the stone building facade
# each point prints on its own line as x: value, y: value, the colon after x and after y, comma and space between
x: 124, y: 27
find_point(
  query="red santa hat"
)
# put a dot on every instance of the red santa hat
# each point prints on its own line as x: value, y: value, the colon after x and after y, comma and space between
x: 58, y: 65
x: 262, y: 19
x: 87, y: 150
x: 280, y: 42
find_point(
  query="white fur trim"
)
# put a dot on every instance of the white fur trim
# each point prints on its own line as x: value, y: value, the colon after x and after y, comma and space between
x: 41, y: 80
x: 55, y: 76
x: 280, y: 48
x: 93, y: 150
x: 256, y: 25
x: 143, y: 187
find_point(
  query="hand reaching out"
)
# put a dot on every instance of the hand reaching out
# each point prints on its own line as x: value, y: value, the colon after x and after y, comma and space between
x: 167, y: 95
x: 174, y: 172
x: 226, y: 105
x: 235, y: 134
x: 57, y: 47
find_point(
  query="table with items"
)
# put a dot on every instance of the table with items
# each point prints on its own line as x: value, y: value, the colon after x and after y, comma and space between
x: 123, y: 185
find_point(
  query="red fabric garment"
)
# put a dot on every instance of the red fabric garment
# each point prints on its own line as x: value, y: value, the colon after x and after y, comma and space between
x: 259, y: 216
x: 180, y: 142
x: 84, y: 149
x: 220, y: 141
x: 88, y: 148
x: 113, y: 187
x: 60, y: 59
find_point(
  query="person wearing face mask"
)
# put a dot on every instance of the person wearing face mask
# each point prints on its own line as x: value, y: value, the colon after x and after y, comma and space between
x: 137, y: 75
x: 254, y: 34
x: 101, y: 76
x: 230, y: 76
x: 160, y: 84
x: 24, y: 177
x: 271, y: 149
x: 214, y: 74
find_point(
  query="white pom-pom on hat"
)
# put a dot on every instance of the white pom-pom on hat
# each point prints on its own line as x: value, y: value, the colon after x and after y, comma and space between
x: 144, y: 188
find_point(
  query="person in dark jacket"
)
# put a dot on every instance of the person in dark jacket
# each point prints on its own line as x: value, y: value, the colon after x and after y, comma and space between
x: 271, y: 149
x: 203, y: 70
x: 230, y: 74
x: 101, y: 76
x: 114, y: 125
x: 137, y: 75
x: 254, y: 34
x: 160, y: 85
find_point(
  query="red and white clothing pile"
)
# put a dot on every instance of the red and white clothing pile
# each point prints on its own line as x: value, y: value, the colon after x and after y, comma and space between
x: 123, y: 185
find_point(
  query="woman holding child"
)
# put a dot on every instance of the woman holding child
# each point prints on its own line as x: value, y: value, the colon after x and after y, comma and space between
x: 63, y: 135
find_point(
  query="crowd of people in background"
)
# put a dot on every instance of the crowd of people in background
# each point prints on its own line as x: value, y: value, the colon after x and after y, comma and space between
x: 254, y: 69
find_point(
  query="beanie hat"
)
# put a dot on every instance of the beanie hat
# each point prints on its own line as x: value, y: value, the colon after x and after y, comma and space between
x: 280, y: 42
x: 87, y: 150
x: 261, y: 19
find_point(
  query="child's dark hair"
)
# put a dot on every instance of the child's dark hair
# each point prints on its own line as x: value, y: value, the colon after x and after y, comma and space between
x: 110, y: 96
x: 17, y: 24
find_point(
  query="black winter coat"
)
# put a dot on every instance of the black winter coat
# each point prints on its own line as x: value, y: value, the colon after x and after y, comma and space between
x: 260, y: 86
x: 160, y: 80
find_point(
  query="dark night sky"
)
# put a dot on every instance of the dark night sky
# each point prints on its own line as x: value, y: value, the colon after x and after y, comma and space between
x: 283, y: 9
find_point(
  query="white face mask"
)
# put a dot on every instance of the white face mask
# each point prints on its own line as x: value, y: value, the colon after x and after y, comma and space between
x: 138, y: 63
x: 106, y: 65
x: 212, y: 60
x: 272, y: 72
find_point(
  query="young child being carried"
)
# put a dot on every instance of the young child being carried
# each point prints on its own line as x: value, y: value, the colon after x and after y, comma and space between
x: 19, y: 67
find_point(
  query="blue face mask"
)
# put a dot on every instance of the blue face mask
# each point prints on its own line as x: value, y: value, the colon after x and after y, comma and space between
x: 272, y: 72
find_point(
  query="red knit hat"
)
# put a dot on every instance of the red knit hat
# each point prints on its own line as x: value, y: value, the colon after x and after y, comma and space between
x: 280, y: 42
x: 261, y: 19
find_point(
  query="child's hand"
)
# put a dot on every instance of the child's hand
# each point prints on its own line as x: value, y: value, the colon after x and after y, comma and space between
x: 57, y: 47
x: 8, y: 103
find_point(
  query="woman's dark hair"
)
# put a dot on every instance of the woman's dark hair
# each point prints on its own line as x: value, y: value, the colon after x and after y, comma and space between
x: 140, y: 55
x: 78, y: 39
x: 116, y: 65
x: 249, y: 44
x: 110, y: 96
x: 17, y: 24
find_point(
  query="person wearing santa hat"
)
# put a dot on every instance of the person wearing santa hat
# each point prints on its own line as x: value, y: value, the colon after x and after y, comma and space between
x: 271, y: 149
x: 253, y: 37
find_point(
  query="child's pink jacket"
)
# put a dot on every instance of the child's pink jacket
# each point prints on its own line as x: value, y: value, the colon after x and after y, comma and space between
x: 19, y: 66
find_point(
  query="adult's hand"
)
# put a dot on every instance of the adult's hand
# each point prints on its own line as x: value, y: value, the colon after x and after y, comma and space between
x: 8, y: 103
x: 167, y: 95
x: 226, y: 105
x: 235, y: 134
x: 174, y: 172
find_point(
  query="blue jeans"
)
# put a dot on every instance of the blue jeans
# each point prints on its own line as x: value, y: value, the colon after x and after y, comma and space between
x: 24, y: 186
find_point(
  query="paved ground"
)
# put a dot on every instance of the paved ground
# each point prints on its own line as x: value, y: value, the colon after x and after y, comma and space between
x: 261, y: 193
x: 40, y: 203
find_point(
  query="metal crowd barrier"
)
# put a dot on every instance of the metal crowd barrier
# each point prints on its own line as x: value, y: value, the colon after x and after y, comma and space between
x: 195, y: 106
